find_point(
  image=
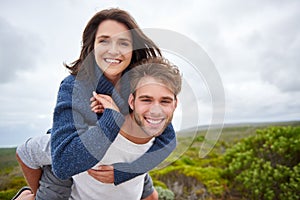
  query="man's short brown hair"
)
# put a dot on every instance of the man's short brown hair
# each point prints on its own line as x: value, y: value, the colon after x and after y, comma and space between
x: 158, y: 68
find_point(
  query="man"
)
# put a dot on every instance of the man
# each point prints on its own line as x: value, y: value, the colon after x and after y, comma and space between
x: 154, y: 85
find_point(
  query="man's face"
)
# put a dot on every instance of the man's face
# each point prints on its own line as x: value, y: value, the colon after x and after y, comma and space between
x: 153, y: 106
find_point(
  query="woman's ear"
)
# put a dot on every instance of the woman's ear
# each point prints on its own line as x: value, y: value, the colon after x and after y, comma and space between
x: 131, y: 101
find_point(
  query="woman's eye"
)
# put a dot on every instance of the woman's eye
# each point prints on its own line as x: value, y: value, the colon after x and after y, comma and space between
x: 125, y: 44
x: 103, y: 41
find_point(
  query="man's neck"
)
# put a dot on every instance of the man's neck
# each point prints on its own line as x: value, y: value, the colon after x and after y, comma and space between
x: 133, y: 132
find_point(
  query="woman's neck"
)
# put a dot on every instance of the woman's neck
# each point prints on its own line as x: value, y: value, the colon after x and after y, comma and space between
x: 113, y: 79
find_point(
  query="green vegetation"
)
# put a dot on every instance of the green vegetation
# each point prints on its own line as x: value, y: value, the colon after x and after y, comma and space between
x: 267, y: 165
x: 232, y: 171
x: 11, y: 178
x: 256, y: 161
x: 164, y: 194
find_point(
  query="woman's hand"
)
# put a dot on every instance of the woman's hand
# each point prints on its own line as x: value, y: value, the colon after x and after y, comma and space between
x: 99, y: 102
x: 103, y: 173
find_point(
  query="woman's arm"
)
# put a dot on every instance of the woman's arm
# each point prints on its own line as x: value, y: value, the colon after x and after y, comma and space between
x: 162, y: 147
x: 74, y: 146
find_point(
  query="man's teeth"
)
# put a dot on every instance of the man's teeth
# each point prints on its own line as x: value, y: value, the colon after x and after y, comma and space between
x: 109, y: 60
x: 154, y: 121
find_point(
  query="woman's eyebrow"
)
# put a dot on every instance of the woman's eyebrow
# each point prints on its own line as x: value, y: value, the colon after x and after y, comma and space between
x: 102, y: 36
x: 107, y: 36
x: 125, y: 39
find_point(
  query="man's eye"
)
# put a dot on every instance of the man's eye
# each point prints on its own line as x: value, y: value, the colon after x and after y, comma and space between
x: 165, y: 102
x: 146, y: 100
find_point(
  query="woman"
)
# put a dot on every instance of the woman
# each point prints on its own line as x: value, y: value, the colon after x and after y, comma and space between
x: 111, y: 43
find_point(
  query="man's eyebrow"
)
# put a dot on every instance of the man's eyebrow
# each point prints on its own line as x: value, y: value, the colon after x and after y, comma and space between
x: 144, y: 96
x: 168, y: 98
x: 149, y: 97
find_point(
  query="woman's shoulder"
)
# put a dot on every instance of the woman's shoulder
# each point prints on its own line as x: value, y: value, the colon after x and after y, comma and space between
x: 67, y: 85
x: 69, y: 79
x: 76, y: 86
x: 72, y: 81
x: 75, y: 81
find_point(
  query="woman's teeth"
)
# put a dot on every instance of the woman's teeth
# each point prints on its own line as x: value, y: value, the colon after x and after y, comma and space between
x: 110, y: 60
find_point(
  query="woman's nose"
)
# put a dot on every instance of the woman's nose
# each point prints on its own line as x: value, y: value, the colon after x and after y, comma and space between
x: 113, y: 49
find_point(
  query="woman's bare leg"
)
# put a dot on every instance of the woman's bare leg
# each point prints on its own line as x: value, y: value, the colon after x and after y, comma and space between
x: 32, y: 176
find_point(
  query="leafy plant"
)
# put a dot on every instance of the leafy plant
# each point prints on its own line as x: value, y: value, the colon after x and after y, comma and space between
x: 267, y: 165
x: 164, y: 194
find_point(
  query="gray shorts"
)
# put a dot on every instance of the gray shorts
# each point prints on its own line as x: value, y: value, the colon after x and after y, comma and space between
x: 36, y: 152
x: 53, y: 188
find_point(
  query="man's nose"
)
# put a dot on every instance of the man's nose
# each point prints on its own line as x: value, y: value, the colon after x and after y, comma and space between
x: 155, y: 109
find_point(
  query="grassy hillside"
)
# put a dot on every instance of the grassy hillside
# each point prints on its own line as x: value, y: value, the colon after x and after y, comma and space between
x: 11, y: 178
x: 195, y: 177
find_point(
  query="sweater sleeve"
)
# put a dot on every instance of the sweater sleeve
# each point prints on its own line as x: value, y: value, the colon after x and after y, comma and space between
x: 74, y: 146
x: 162, y: 147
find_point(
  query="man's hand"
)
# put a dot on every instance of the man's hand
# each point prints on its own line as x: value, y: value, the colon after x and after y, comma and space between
x: 103, y: 173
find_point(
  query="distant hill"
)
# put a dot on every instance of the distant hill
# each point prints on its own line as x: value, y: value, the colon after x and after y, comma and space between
x: 201, y: 128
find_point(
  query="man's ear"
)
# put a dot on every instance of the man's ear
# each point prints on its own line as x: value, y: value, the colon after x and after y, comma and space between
x: 131, y: 101
x: 176, y: 102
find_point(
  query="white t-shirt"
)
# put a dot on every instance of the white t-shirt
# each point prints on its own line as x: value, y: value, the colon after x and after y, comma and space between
x: 121, y: 150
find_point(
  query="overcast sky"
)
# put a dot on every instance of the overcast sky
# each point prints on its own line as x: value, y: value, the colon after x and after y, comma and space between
x: 254, y: 46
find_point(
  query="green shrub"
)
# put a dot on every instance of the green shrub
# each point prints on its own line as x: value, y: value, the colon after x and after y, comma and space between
x: 164, y: 194
x: 8, y: 194
x: 267, y: 165
x: 186, y: 181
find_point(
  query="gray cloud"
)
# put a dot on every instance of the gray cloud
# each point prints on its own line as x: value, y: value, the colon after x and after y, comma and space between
x: 253, y: 44
x: 257, y: 40
x: 281, y: 60
x: 21, y: 133
x: 19, y: 51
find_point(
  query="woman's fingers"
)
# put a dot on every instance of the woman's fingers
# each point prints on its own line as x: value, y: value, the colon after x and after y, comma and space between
x: 104, y: 100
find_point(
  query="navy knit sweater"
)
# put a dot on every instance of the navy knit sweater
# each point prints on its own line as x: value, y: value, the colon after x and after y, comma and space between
x: 80, y: 138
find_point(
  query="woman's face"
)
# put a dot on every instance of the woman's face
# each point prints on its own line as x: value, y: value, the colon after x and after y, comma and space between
x: 113, y: 48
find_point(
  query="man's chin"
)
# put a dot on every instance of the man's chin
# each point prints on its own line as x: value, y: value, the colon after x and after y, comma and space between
x: 153, y: 133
